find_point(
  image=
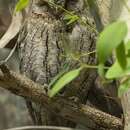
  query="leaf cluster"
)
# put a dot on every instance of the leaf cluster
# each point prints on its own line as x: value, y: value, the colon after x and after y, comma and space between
x: 112, y: 42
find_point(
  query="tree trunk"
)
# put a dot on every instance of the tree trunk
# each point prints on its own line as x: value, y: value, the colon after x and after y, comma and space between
x: 47, y: 44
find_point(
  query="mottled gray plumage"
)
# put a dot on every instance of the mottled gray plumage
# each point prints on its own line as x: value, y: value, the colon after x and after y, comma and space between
x: 41, y: 54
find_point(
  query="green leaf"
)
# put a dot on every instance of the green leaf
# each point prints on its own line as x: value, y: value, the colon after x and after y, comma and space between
x: 54, y: 80
x: 109, y: 39
x: 21, y: 5
x: 123, y: 88
x: 116, y: 71
x: 120, y: 55
x: 67, y: 17
x: 128, y: 53
x: 127, y: 48
x: 127, y: 45
x: 71, y: 18
x: 64, y: 80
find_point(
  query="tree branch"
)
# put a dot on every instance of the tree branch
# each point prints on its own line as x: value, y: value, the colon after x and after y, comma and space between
x: 78, y: 113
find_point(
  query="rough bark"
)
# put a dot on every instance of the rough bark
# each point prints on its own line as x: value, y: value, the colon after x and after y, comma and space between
x: 42, y: 50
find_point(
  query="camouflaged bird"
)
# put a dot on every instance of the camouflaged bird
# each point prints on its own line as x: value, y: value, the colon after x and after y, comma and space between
x: 44, y: 50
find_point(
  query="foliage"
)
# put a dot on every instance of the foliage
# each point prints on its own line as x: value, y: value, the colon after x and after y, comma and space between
x: 71, y: 18
x: 112, y: 39
x: 107, y: 42
x: 64, y: 80
x: 21, y: 5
